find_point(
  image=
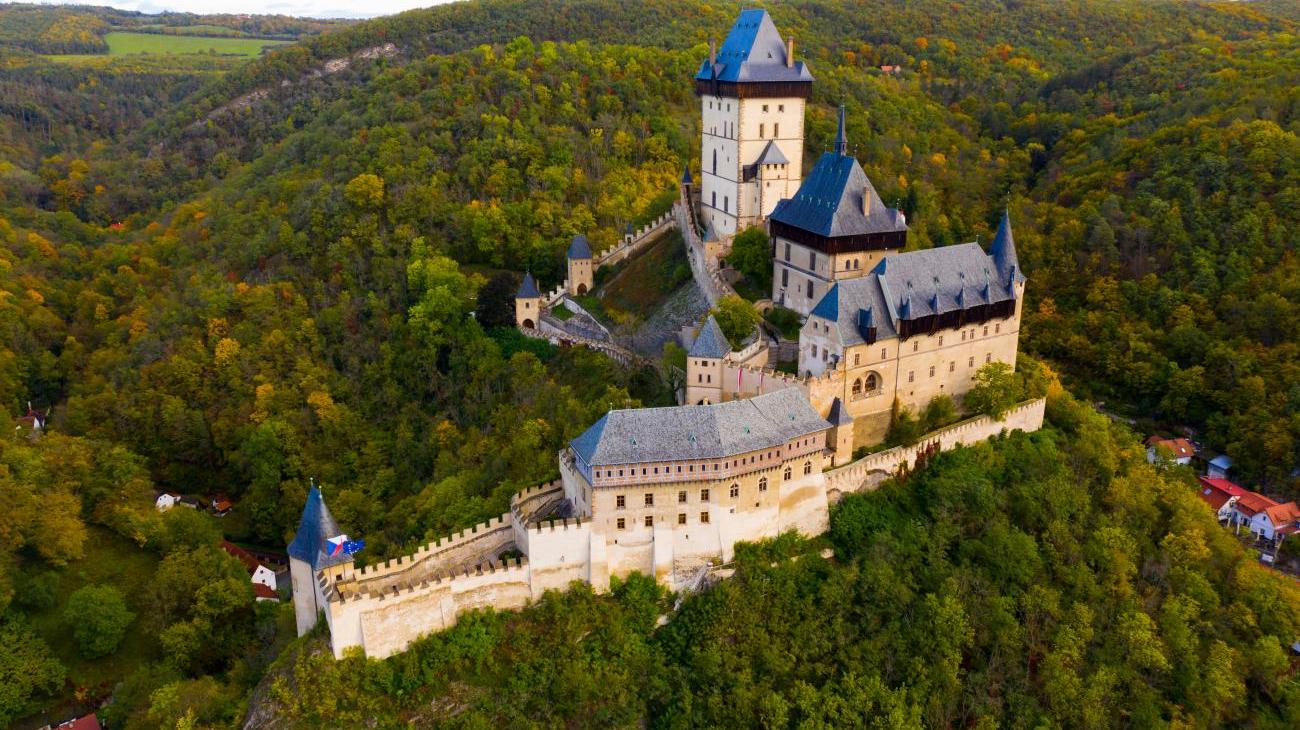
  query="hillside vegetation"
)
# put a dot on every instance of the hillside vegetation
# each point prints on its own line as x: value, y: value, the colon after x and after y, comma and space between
x: 237, y: 276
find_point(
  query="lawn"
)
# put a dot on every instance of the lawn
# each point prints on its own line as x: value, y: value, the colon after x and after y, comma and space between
x: 110, y: 558
x: 125, y: 44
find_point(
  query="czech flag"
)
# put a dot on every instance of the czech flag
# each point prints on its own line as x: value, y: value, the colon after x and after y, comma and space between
x: 341, y: 545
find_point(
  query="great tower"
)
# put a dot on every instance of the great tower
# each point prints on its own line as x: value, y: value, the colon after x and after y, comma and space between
x: 752, y: 93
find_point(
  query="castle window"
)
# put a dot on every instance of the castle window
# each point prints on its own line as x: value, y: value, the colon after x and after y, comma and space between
x: 884, y: 353
x: 810, y: 289
x: 915, y: 345
x: 681, y: 518
x: 765, y: 108
x: 987, y: 358
x: 812, y: 260
x: 597, y: 474
x: 873, y: 382
x: 997, y: 328
x: 787, y: 252
x: 762, y: 484
x: 690, y: 467
x: 649, y: 521
x: 986, y: 330
x: 760, y: 130
x: 715, y: 172
x: 807, y: 467
x: 704, y: 495
x: 940, y: 340
x: 622, y: 523
x: 970, y: 362
x: 726, y: 205
x: 735, y: 491
x: 952, y: 366
x: 656, y: 470
x: 714, y: 204
x: 780, y: 107
x: 681, y: 497
x: 857, y: 386
x: 704, y: 518
x: 620, y: 501
x: 963, y: 335
x: 932, y: 371
x: 776, y: 129
x: 788, y: 473
x: 620, y: 472
x: 649, y: 499
x: 911, y: 376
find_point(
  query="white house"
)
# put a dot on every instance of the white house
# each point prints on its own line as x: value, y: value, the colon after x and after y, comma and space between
x: 166, y: 500
x: 1180, y: 449
x: 259, y: 573
x: 1276, y: 521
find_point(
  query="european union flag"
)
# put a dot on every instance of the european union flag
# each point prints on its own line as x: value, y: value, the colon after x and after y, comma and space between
x: 352, y: 546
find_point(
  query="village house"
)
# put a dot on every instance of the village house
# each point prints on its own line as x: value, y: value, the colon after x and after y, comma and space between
x: 262, y: 575
x: 164, y: 501
x: 1219, y: 466
x: 1276, y: 521
x: 1177, y: 450
x: 31, y: 423
x: 1220, y: 494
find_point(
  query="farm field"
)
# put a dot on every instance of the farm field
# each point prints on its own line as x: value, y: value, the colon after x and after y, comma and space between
x: 125, y: 44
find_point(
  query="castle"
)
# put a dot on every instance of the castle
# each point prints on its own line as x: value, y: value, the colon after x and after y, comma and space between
x: 752, y: 452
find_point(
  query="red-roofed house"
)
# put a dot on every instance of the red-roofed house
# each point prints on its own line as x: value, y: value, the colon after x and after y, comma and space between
x: 89, y: 722
x: 265, y: 593
x: 1181, y: 449
x: 221, y: 505
x: 260, y: 574
x: 1277, y: 520
x: 1220, y: 494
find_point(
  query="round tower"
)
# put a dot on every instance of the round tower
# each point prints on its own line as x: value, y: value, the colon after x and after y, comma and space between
x: 310, y: 560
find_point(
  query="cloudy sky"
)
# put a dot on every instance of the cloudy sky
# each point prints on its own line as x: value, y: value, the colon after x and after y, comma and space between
x: 312, y: 8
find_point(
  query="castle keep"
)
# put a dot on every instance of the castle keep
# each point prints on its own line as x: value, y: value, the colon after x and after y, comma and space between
x: 753, y: 452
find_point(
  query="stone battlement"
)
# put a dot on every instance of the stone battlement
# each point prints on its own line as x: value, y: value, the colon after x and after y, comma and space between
x: 374, y: 598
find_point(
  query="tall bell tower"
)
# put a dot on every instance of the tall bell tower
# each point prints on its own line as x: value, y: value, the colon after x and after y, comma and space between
x: 752, y: 93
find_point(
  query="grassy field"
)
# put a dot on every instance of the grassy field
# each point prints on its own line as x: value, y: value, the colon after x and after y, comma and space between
x: 125, y: 44
x: 110, y: 558
x: 642, y: 283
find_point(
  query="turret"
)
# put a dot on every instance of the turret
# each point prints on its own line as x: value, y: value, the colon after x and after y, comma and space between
x: 311, y: 558
x: 840, y: 438
x: 528, y: 304
x: 704, y: 364
x: 1003, y: 252
x: 580, y: 269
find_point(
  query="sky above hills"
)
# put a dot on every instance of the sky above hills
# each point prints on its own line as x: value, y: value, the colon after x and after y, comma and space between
x: 300, y: 8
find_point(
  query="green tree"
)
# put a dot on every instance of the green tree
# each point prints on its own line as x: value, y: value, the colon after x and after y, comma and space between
x: 97, y: 616
x: 26, y: 669
x: 940, y: 411
x: 737, y: 318
x: 751, y: 255
x: 495, y: 306
x: 995, y: 391
x: 366, y: 190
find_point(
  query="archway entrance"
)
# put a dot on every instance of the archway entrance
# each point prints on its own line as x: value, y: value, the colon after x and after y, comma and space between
x: 582, y: 289
x: 528, y: 324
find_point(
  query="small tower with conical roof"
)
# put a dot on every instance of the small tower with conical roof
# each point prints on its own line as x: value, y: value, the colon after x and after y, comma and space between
x: 580, y: 269
x: 840, y: 438
x: 1003, y: 252
x: 528, y: 304
x: 704, y: 364
x: 311, y: 557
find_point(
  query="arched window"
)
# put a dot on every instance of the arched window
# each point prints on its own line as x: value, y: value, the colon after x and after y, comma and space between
x: 857, y: 386
x: 807, y: 467
x: 715, y: 162
x: 873, y: 382
x: 788, y: 473
x: 762, y: 484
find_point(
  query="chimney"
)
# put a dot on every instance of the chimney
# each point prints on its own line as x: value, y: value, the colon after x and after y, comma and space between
x: 713, y: 52
x: 789, y: 52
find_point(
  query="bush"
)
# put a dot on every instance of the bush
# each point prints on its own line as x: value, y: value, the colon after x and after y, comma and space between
x: 751, y: 255
x: 37, y: 592
x: 940, y: 412
x: 736, y: 317
x: 905, y: 428
x: 786, y: 321
x: 98, y: 617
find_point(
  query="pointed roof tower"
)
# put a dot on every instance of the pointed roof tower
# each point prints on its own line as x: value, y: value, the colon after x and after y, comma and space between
x: 753, y: 54
x: 528, y: 289
x: 316, y: 526
x: 1003, y: 251
x: 579, y: 248
x: 686, y: 175
x: 710, y: 342
x: 842, y: 137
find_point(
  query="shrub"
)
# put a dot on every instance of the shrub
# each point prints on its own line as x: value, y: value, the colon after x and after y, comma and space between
x: 98, y: 617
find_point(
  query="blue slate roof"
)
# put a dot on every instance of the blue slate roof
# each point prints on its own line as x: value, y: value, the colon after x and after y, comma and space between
x: 853, y: 301
x: 937, y: 280
x: 753, y: 53
x: 647, y: 435
x: 579, y: 248
x: 710, y: 342
x: 829, y: 202
x: 1003, y: 250
x: 316, y: 526
x: 839, y: 415
x: 686, y: 175
x: 528, y: 289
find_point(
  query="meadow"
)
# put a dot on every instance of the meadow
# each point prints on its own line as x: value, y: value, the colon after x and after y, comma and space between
x: 124, y: 44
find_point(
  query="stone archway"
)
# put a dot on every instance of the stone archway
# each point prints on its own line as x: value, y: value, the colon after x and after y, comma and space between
x: 582, y: 289
x: 528, y: 324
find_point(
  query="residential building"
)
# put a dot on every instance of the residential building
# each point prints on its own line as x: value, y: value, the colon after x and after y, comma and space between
x: 1179, y: 450
x: 1219, y: 466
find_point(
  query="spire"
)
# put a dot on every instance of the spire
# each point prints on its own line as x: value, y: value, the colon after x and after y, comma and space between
x: 841, y: 137
x: 316, y: 526
x: 579, y: 248
x: 528, y: 289
x: 1003, y: 251
x: 686, y: 175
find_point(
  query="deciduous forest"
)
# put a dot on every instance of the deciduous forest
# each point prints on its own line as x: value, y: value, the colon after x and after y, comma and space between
x: 225, y: 276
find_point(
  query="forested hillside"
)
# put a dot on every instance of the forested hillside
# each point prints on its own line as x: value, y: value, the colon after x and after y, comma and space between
x: 229, y: 277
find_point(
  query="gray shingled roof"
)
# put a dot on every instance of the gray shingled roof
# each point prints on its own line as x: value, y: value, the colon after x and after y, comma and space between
x: 829, y: 202
x: 850, y: 300
x: 753, y: 53
x: 1003, y: 251
x: 710, y: 342
x: 579, y: 248
x: 647, y: 435
x: 839, y: 415
x: 937, y: 280
x: 528, y: 289
x: 316, y: 526
x: 772, y: 155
